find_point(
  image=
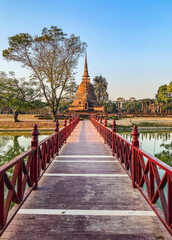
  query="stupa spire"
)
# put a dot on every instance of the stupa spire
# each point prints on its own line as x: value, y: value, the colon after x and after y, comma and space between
x: 86, y: 99
x: 86, y: 75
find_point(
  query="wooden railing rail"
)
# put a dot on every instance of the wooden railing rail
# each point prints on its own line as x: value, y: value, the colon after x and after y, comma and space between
x: 150, y: 175
x: 20, y: 176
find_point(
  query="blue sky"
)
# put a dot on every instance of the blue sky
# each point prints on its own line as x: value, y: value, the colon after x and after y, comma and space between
x: 129, y: 41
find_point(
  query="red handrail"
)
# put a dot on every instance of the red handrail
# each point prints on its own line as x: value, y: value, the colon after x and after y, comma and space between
x: 27, y: 168
x: 143, y: 169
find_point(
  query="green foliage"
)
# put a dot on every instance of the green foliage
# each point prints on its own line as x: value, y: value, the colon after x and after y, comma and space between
x: 70, y: 91
x: 110, y: 107
x: 44, y: 117
x: 68, y: 97
x: 100, y: 85
x: 132, y: 106
x: 63, y: 106
x: 17, y: 94
x: 153, y: 124
x: 164, y: 96
x: 115, y: 118
x: 51, y: 57
x: 167, y: 146
x: 165, y: 156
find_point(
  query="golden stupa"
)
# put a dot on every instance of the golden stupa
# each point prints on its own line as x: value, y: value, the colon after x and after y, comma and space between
x: 86, y: 99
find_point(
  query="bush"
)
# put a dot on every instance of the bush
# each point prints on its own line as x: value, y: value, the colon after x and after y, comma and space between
x: 44, y: 117
x: 114, y: 118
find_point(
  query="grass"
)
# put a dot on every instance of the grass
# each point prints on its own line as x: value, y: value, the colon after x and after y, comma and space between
x: 153, y: 124
x: 123, y: 127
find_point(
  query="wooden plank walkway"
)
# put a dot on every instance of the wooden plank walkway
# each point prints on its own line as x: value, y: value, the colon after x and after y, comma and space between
x: 85, y: 194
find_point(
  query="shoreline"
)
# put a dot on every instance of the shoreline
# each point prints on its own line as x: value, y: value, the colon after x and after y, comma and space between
x: 145, y: 128
x: 53, y: 129
x: 25, y: 129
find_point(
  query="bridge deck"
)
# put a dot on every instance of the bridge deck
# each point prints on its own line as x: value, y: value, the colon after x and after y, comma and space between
x: 85, y: 194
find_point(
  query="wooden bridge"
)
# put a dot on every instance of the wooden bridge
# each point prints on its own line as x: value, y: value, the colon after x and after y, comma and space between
x: 95, y: 186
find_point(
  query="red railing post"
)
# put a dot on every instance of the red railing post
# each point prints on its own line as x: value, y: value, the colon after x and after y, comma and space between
x: 114, y: 126
x: 105, y: 132
x: 113, y: 131
x: 169, y: 201
x: 96, y: 123
x: 151, y: 182
x: 2, y: 218
x: 57, y: 136
x: 135, y: 143
x: 100, y: 125
x: 65, y: 121
x: 70, y: 120
x: 105, y: 122
x: 19, y: 182
x: 34, y: 144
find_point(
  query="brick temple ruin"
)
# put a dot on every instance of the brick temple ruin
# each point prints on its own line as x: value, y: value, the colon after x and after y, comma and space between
x: 86, y: 100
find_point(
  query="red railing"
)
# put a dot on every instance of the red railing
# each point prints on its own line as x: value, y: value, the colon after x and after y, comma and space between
x: 150, y: 175
x: 20, y: 176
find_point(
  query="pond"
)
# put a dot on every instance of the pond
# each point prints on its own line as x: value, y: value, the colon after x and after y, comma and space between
x: 13, y: 144
x: 157, y: 143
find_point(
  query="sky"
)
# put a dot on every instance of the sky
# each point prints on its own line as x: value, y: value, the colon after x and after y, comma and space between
x: 129, y: 41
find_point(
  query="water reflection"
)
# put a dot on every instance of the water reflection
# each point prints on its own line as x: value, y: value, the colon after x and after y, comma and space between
x: 12, y: 145
x: 158, y: 144
x: 12, y: 150
x: 148, y: 135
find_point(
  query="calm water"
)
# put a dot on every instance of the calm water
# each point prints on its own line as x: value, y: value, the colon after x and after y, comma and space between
x: 12, y: 144
x: 158, y: 144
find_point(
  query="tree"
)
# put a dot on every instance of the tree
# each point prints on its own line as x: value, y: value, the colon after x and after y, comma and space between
x: 17, y: 94
x: 70, y: 91
x: 120, y: 103
x: 100, y: 85
x: 68, y: 96
x: 169, y: 89
x: 110, y: 107
x: 164, y: 96
x: 51, y: 57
